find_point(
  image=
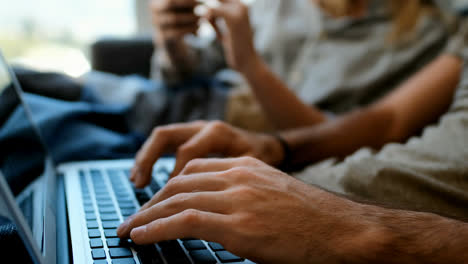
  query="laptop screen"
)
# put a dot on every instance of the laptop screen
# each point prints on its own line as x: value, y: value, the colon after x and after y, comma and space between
x: 21, y: 152
x: 23, y: 158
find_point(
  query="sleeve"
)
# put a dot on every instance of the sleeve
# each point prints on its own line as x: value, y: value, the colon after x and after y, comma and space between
x: 458, y: 43
x: 200, y: 60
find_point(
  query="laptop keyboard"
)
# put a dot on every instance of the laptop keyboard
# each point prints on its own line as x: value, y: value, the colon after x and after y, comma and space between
x: 108, y: 200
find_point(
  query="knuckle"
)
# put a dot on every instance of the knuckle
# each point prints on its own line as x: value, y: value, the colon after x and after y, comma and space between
x: 191, y: 217
x: 158, y: 132
x: 247, y: 160
x: 217, y: 125
x: 245, y: 192
x: 178, y: 200
x: 174, y: 183
x: 238, y: 171
x: 170, y: 188
x: 184, y: 152
x: 193, y: 165
x: 199, y: 122
x: 155, y: 226
x: 237, y: 174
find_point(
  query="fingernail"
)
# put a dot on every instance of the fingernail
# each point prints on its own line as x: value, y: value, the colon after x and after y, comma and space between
x: 138, y: 232
x: 123, y: 228
x: 135, y: 174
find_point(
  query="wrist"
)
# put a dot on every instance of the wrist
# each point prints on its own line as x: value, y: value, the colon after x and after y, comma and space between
x: 363, y: 238
x: 252, y: 66
x: 273, y: 150
x: 284, y: 163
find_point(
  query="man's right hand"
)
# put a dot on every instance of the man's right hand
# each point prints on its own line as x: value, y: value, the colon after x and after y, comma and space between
x: 199, y: 140
x: 174, y: 19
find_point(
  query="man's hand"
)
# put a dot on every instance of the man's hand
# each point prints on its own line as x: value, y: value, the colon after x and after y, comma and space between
x: 262, y: 214
x: 199, y: 140
x: 174, y: 19
x: 232, y: 24
x: 255, y: 211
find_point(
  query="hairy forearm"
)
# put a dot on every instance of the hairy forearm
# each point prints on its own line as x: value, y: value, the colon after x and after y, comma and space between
x: 283, y: 108
x: 394, y: 236
x: 340, y: 137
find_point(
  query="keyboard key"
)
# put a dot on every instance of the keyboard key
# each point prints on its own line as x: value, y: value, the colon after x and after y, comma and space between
x: 148, y: 255
x: 113, y: 173
x: 106, y: 203
x: 95, y: 243
x: 104, y: 200
x: 100, y: 261
x: 215, y: 246
x: 125, y: 200
x: 89, y: 209
x: 92, y: 224
x: 106, y: 210
x: 225, y: 256
x: 194, y: 244
x: 94, y: 233
x: 98, y: 254
x: 100, y: 197
x: 99, y: 184
x: 173, y: 252
x: 113, y: 242
x: 122, y: 194
x: 90, y: 216
x: 188, y: 239
x: 127, y: 212
x: 154, y: 186
x: 120, y: 252
x: 101, y: 189
x: 142, y: 196
x: 96, y: 174
x: 123, y: 261
x: 110, y: 224
x: 110, y: 233
x: 202, y: 257
x: 109, y: 217
x: 127, y: 205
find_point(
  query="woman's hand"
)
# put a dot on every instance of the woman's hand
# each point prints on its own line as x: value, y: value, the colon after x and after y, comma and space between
x: 173, y: 19
x: 199, y: 140
x: 253, y: 210
x: 232, y: 24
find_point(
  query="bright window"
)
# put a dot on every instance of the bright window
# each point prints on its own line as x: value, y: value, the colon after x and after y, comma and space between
x: 55, y: 34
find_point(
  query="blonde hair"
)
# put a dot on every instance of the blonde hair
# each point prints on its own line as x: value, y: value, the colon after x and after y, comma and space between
x: 405, y: 13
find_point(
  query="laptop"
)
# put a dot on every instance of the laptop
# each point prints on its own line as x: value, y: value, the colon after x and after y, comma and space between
x: 69, y: 213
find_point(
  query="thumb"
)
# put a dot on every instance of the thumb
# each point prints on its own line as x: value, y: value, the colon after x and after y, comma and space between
x: 217, y: 21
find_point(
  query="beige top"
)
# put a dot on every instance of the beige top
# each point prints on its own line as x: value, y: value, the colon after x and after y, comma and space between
x: 428, y: 173
x: 335, y: 64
